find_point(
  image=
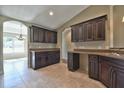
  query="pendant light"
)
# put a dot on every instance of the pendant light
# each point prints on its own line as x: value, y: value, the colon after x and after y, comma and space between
x: 20, y: 35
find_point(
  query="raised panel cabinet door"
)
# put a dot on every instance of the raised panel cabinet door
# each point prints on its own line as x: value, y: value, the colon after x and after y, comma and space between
x: 93, y: 66
x: 104, y: 72
x: 56, y: 56
x: 99, y: 29
x: 75, y: 33
x: 54, y: 37
x: 41, y: 36
x: 81, y: 32
x: 35, y: 34
x: 53, y: 57
x: 50, y: 58
x: 40, y: 60
x: 118, y: 78
x: 73, y: 61
x: 88, y: 28
x: 48, y: 36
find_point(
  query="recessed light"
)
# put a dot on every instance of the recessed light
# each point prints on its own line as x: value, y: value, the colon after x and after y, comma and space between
x: 51, y: 13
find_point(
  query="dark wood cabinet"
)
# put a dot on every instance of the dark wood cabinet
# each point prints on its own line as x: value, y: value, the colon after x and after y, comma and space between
x: 99, y: 29
x: 40, y: 60
x: 88, y: 29
x: 50, y: 37
x: 75, y: 33
x: 41, y: 35
x: 43, y: 59
x: 35, y: 35
x: 54, y: 37
x: 110, y: 71
x: 53, y: 57
x: 93, y: 66
x: 105, y: 71
x: 117, y: 78
x: 73, y: 61
x: 91, y: 30
x: 81, y: 33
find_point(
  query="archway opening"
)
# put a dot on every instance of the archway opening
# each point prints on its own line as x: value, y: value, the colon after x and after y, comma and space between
x: 14, y: 44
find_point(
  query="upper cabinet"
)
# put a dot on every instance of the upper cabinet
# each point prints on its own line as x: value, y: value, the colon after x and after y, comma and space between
x: 40, y: 35
x: 50, y: 37
x: 88, y: 29
x: 99, y: 29
x: 75, y: 33
x: 91, y: 30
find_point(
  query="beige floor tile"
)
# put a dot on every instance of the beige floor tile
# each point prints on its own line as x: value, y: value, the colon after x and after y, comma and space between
x: 18, y: 75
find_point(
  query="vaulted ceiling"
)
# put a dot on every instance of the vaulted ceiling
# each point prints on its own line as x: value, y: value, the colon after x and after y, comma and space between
x: 39, y: 14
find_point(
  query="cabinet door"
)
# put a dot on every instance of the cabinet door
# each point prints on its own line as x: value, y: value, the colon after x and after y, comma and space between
x: 35, y: 34
x: 50, y: 58
x: 104, y: 72
x: 75, y: 33
x: 73, y: 61
x: 54, y: 37
x: 57, y: 56
x: 48, y: 36
x: 88, y: 28
x: 41, y: 36
x: 53, y: 57
x: 41, y: 59
x: 99, y: 29
x: 93, y: 66
x: 81, y: 32
x: 117, y: 78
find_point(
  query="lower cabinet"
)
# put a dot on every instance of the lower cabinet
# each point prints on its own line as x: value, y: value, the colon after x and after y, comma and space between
x: 53, y: 57
x: 117, y: 79
x: 105, y: 70
x: 110, y: 71
x: 42, y: 59
x: 93, y: 66
x: 73, y: 61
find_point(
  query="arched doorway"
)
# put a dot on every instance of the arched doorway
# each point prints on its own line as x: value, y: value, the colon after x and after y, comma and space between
x: 14, y: 44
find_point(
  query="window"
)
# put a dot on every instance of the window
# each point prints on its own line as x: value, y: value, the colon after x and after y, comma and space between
x: 11, y: 44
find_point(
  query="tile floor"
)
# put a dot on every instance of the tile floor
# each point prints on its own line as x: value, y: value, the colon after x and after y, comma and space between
x: 18, y: 75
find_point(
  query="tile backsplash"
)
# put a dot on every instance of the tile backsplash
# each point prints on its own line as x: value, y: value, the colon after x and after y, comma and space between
x: 42, y: 45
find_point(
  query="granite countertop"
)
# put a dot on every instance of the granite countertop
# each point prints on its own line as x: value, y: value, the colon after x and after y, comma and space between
x: 106, y: 54
x: 43, y: 49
